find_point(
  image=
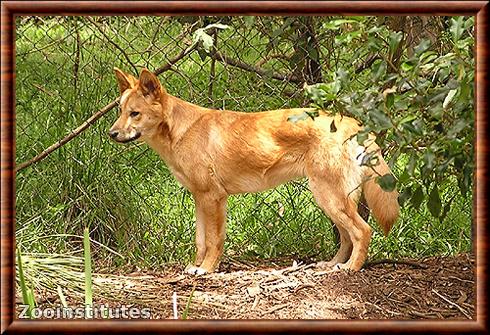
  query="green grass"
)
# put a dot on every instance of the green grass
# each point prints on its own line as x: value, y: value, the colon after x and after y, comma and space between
x: 126, y: 195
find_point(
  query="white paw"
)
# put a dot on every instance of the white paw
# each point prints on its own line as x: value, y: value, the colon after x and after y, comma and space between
x: 342, y: 266
x: 195, y: 270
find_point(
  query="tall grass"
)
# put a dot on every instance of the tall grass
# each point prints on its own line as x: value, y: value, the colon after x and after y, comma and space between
x: 27, y: 292
x: 125, y: 193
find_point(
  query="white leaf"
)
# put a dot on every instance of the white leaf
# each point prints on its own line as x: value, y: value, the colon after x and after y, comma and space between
x: 201, y: 35
x: 217, y: 25
x: 449, y: 97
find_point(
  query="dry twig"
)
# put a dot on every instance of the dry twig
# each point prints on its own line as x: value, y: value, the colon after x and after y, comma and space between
x: 394, y: 261
x: 461, y: 309
x: 251, y: 68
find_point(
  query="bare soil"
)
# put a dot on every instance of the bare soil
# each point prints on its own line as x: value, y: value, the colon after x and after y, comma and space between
x: 433, y: 288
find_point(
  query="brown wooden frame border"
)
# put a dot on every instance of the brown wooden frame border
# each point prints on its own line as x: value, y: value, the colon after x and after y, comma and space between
x: 9, y: 9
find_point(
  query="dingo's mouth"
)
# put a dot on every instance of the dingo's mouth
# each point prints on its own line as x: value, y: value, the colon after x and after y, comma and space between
x: 126, y: 140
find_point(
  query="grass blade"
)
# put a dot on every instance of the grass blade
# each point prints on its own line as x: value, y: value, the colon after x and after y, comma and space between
x: 27, y: 294
x: 88, y: 273
x: 188, y: 305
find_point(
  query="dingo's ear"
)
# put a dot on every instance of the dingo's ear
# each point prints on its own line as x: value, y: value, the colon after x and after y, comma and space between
x: 124, y: 80
x: 149, y: 84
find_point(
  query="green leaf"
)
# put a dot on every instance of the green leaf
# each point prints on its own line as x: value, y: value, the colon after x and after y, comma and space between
x: 457, y: 128
x: 404, y: 196
x: 446, y: 209
x: 387, y: 182
x: 395, y: 38
x: 434, y: 202
x: 404, y: 177
x: 249, y: 21
x: 429, y: 160
x: 361, y: 137
x: 407, y: 66
x: 336, y: 24
x: 380, y: 119
x: 30, y: 300
x: 469, y: 23
x: 412, y: 164
x: 422, y: 46
x: 379, y: 70
x: 390, y: 100
x: 417, y: 198
x: 437, y: 112
x: 27, y: 293
x: 408, y: 118
x: 300, y: 117
x: 456, y: 28
x: 188, y: 304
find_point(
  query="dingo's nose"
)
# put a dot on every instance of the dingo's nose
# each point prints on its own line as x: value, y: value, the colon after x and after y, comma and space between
x: 113, y: 133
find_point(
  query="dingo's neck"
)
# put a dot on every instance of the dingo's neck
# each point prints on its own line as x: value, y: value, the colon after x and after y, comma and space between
x: 178, y: 116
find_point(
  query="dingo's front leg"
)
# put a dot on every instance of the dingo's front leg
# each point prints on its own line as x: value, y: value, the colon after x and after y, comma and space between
x: 210, y: 232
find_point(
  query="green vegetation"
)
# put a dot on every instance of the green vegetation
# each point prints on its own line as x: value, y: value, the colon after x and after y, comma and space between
x: 27, y: 292
x: 416, y: 93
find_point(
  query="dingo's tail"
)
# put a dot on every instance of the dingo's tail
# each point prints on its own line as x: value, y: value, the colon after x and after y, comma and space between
x: 384, y: 205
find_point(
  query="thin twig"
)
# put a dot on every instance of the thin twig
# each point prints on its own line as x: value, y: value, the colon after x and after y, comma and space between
x: 76, y: 64
x: 275, y: 309
x: 394, y: 261
x: 382, y: 309
x: 91, y: 120
x: 212, y: 70
x: 271, y: 57
x: 99, y: 28
x: 251, y: 68
x: 461, y: 309
x: 42, y: 89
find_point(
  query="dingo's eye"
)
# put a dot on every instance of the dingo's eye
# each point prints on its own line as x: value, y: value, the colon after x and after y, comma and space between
x: 134, y: 114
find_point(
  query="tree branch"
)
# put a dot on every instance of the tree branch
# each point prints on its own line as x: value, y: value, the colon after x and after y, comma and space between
x: 251, y: 68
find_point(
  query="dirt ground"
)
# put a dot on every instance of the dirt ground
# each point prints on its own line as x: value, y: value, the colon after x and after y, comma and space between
x: 433, y: 288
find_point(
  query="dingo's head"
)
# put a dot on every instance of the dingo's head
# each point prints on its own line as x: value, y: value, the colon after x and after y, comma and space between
x: 141, y: 106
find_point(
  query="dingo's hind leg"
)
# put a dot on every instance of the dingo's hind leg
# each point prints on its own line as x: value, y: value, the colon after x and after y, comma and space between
x: 344, y: 252
x: 342, y: 210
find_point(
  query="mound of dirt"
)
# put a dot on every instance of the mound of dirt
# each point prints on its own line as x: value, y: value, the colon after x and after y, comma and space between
x: 433, y: 288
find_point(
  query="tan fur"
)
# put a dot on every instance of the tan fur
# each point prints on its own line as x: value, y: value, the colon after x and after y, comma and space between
x: 217, y: 153
x: 383, y: 204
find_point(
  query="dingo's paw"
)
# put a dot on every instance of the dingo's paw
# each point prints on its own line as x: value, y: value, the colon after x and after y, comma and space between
x: 195, y: 270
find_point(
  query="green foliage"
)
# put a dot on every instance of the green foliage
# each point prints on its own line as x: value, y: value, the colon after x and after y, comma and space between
x: 303, y: 116
x: 129, y: 198
x: 387, y: 182
x: 185, y: 314
x: 423, y: 109
x: 27, y: 292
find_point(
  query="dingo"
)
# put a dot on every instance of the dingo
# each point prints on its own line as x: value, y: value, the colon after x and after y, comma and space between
x: 215, y: 153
